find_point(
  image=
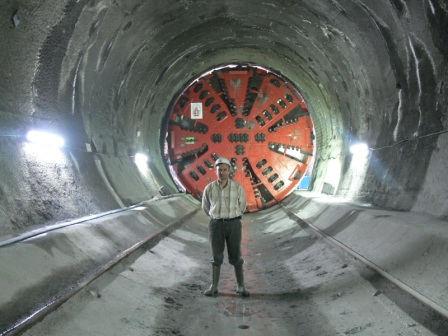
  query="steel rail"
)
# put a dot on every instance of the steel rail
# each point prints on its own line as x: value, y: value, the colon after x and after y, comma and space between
x: 405, y: 287
x: 29, y: 321
x: 13, y: 239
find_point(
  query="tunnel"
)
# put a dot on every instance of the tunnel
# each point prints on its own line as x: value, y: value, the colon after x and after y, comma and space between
x: 145, y: 95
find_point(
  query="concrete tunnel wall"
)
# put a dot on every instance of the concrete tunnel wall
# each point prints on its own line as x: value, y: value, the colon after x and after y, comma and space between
x: 103, y: 75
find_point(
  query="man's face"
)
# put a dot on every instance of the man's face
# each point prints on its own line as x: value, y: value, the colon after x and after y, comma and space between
x: 223, y: 171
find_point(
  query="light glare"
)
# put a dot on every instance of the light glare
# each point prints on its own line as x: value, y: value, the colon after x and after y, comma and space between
x: 140, y: 158
x: 45, y: 139
x: 360, y: 149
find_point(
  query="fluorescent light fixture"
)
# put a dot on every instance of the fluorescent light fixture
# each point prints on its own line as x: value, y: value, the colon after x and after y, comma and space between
x: 45, y: 139
x: 140, y: 158
x: 359, y: 149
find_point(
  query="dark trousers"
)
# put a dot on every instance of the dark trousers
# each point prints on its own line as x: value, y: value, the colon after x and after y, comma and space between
x: 222, y: 233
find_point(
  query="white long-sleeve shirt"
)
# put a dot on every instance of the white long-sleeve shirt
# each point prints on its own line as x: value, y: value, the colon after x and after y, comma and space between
x: 228, y: 202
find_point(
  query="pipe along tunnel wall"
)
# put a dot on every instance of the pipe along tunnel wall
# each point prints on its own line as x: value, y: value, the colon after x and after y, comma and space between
x: 103, y: 75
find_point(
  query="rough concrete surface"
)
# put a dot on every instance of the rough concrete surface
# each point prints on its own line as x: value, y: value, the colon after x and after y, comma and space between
x: 43, y: 267
x: 409, y: 247
x: 104, y: 73
x: 299, y: 284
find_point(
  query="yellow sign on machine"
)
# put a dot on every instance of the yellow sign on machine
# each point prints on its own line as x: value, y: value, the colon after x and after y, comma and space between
x: 190, y: 140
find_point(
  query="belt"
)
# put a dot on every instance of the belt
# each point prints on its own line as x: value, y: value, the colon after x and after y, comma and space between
x: 226, y: 219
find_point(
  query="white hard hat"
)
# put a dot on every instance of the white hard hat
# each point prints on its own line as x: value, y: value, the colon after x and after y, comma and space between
x: 223, y: 160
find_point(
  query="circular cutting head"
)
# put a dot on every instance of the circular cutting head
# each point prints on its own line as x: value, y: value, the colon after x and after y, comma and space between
x: 252, y: 117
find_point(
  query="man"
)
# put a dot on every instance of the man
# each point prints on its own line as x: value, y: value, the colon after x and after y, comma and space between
x: 224, y: 201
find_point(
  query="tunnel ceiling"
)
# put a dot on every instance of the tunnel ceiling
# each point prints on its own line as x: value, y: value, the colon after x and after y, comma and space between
x: 103, y: 73
x: 251, y: 116
x: 123, y: 59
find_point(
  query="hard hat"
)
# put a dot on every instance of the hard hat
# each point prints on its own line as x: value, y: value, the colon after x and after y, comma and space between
x: 223, y: 160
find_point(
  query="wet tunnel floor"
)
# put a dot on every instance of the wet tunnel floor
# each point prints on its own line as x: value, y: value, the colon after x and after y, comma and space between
x: 299, y: 284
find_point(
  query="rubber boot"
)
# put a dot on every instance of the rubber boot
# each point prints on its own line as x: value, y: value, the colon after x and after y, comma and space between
x: 241, y: 290
x: 214, y: 286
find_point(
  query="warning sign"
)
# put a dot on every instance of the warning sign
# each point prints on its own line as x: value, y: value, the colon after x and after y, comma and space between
x: 196, y: 110
x: 190, y: 140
